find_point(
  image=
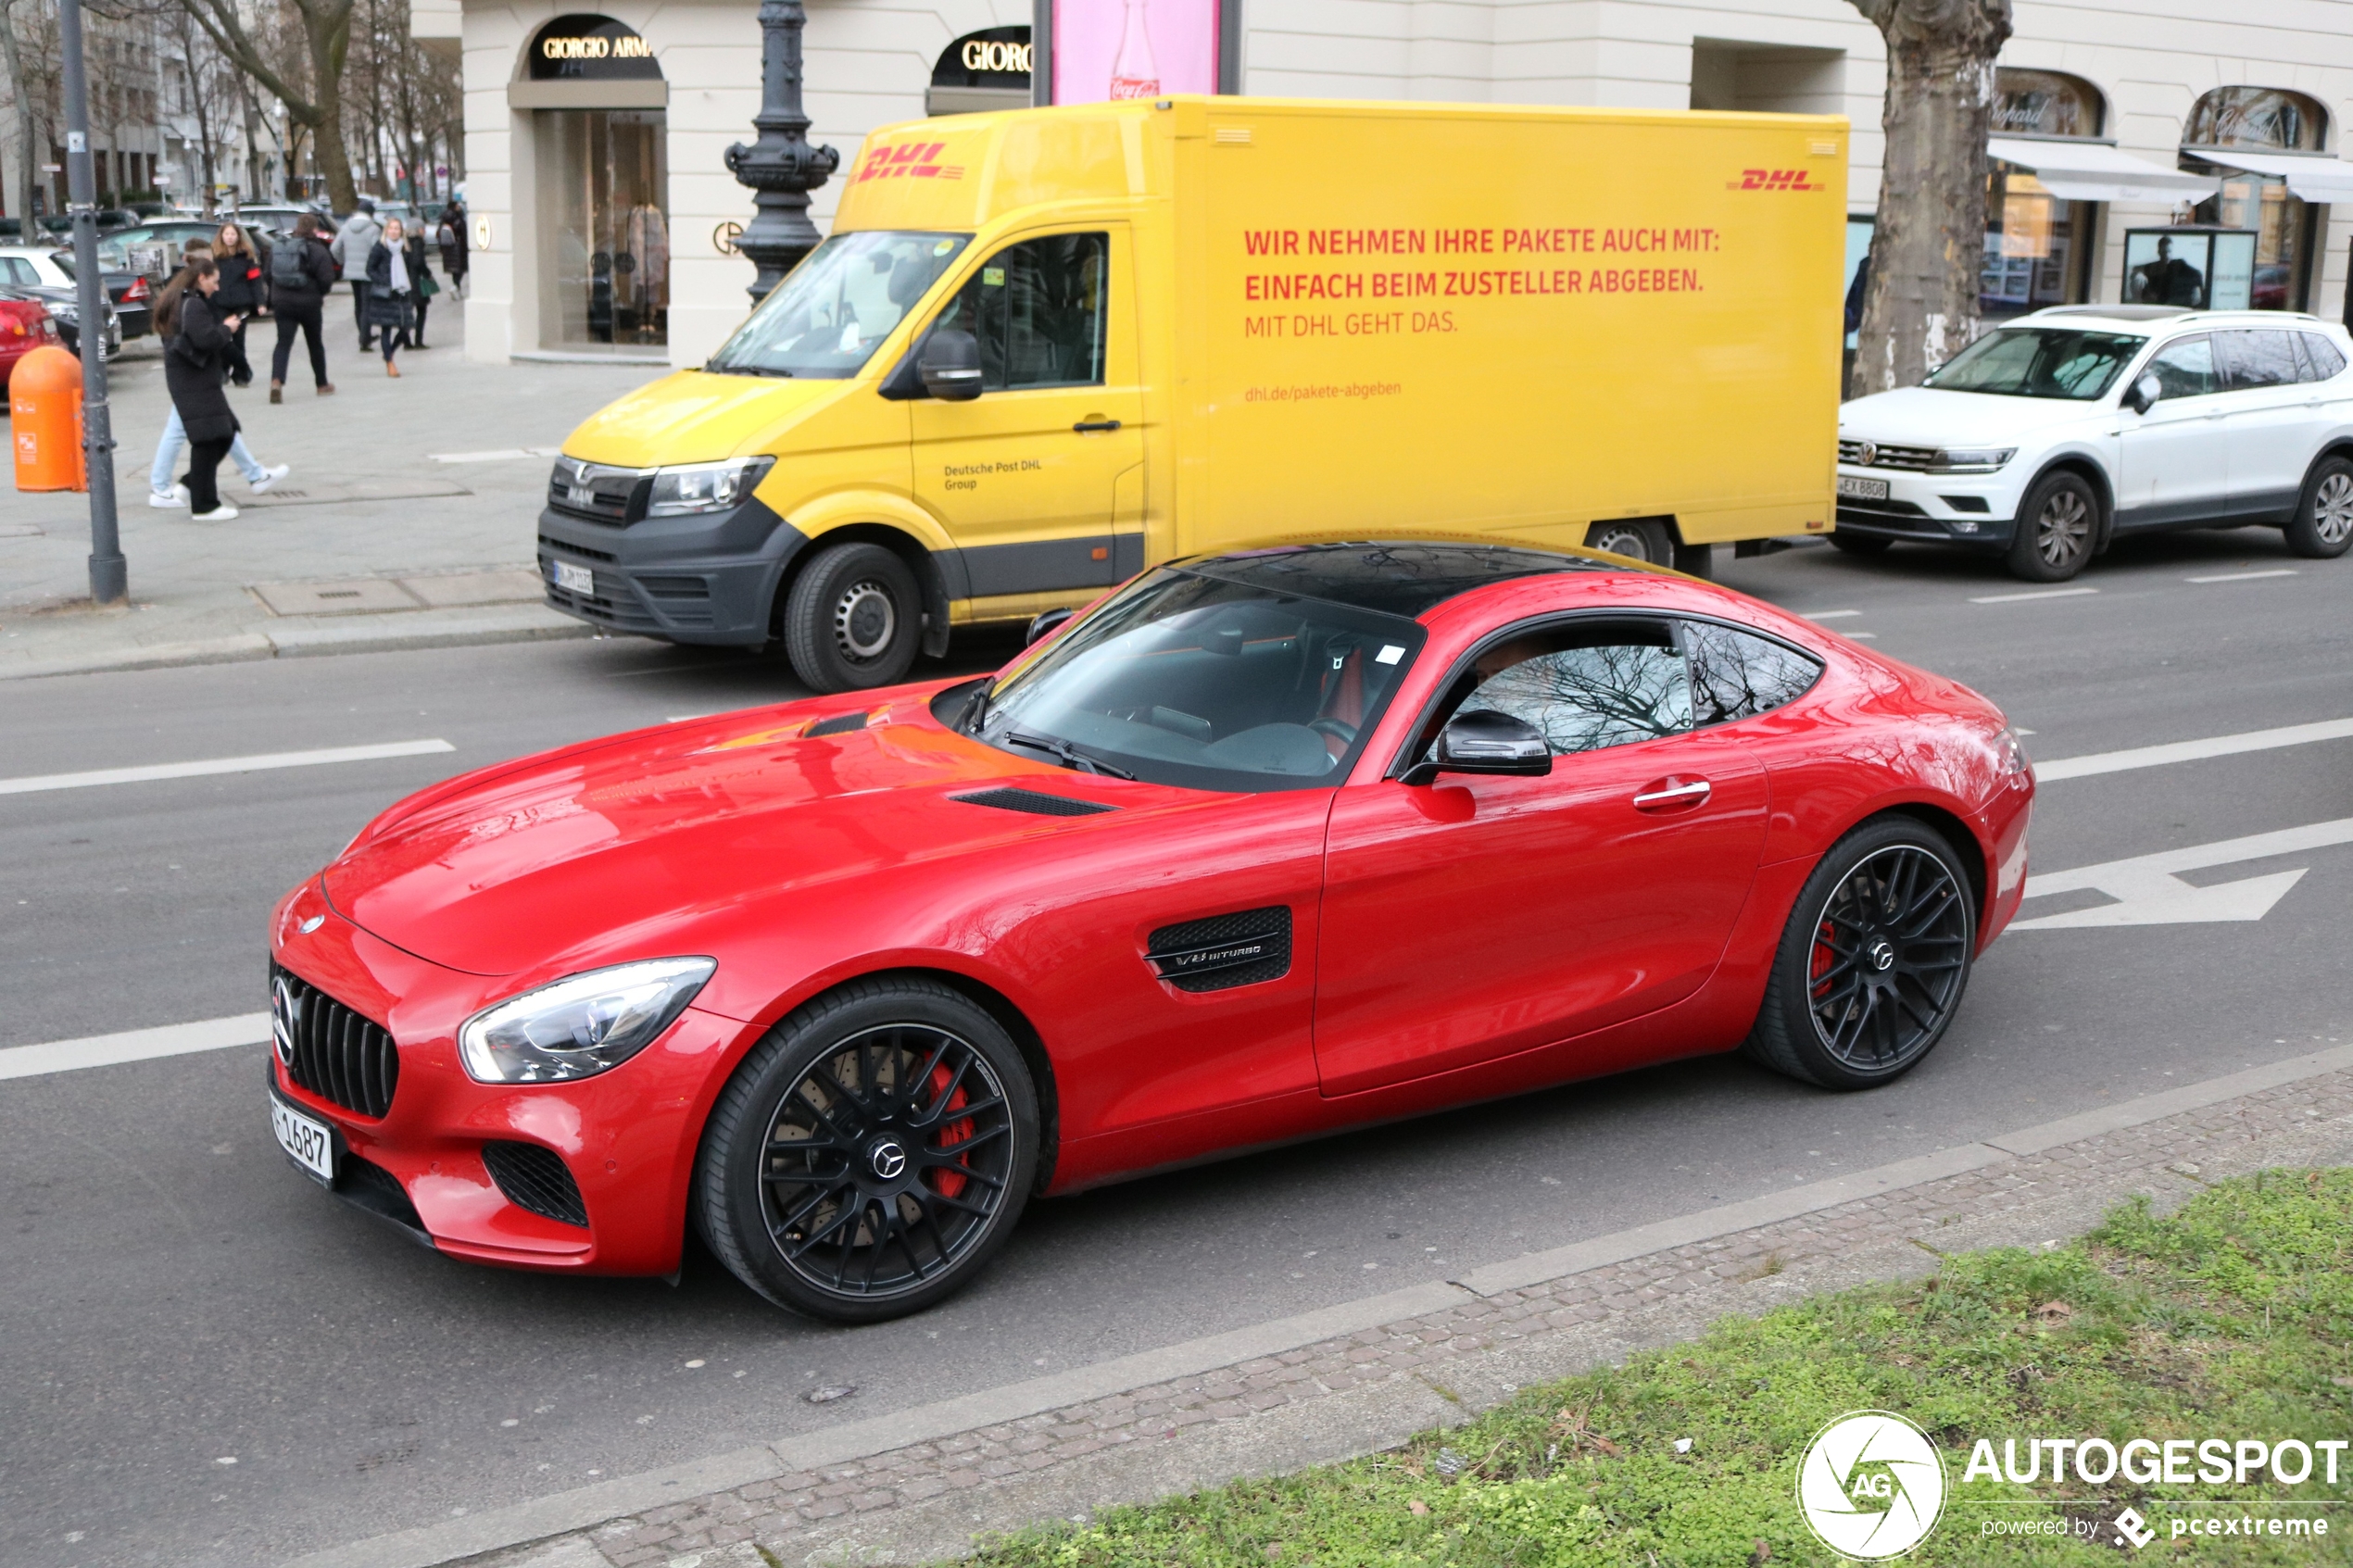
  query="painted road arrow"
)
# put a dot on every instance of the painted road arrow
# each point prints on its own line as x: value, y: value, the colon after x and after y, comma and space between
x: 2148, y: 891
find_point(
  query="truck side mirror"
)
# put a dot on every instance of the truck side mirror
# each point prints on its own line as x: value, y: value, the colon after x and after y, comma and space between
x: 1483, y: 741
x: 950, y: 365
x: 2143, y: 393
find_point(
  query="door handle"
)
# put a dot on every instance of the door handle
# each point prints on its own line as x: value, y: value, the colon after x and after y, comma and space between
x: 1667, y: 792
x: 1088, y: 427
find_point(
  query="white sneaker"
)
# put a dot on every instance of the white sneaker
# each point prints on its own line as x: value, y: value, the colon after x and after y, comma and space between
x: 269, y: 477
x: 180, y: 496
x: 176, y: 497
x: 224, y: 512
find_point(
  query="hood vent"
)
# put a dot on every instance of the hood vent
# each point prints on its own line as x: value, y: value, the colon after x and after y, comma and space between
x: 839, y: 724
x: 1224, y: 951
x: 1034, y: 802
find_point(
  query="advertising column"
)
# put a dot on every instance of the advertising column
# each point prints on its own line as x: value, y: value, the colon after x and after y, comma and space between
x: 1099, y: 50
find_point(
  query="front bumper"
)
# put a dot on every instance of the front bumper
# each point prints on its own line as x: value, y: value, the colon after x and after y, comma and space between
x: 710, y: 579
x: 1969, y: 510
x: 626, y: 1138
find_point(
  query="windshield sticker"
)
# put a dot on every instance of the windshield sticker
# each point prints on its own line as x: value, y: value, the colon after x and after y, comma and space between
x: 1390, y: 654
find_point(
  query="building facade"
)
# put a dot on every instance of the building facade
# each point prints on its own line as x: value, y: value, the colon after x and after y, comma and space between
x: 2178, y: 152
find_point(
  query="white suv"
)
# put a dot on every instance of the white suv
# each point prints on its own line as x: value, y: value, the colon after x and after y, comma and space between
x: 2057, y: 432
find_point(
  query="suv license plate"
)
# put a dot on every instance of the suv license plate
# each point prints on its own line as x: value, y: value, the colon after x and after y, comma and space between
x: 310, y: 1142
x: 580, y: 579
x: 1853, y: 489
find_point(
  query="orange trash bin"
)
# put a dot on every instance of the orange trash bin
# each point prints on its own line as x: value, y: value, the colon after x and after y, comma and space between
x: 44, y: 415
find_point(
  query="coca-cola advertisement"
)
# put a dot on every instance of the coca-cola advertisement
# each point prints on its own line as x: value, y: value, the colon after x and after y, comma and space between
x: 1107, y: 49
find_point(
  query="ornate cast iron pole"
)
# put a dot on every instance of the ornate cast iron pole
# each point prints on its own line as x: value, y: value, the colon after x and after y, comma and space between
x: 780, y: 165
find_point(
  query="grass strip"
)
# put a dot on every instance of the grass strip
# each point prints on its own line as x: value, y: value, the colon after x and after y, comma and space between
x: 2231, y: 1317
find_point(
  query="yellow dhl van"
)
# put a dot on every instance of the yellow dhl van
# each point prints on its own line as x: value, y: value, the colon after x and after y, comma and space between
x: 1047, y: 347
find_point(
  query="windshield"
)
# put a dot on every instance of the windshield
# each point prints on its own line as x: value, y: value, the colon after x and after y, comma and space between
x: 827, y: 315
x: 1188, y: 679
x: 2038, y: 362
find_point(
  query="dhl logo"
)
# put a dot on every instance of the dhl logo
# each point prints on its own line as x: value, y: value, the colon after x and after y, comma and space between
x: 1773, y: 179
x: 910, y: 160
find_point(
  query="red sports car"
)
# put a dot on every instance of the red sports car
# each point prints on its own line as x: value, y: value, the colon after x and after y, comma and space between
x: 1261, y: 846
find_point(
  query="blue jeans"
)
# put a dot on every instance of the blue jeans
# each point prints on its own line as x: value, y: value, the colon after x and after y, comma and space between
x: 175, y: 436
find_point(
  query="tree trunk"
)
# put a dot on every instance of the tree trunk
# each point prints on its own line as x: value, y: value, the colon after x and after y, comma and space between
x: 329, y: 40
x: 1919, y: 305
x: 26, y: 129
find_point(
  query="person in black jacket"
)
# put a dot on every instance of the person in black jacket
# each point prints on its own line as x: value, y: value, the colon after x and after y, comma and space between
x: 302, y: 274
x: 194, y: 363
x: 243, y: 291
x: 394, y: 263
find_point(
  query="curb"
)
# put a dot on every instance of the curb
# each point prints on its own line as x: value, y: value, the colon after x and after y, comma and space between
x: 1367, y: 1320
x: 316, y: 637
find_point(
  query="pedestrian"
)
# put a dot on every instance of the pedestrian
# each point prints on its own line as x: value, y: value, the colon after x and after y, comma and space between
x: 301, y: 277
x: 350, y: 248
x: 244, y: 290
x: 452, y: 239
x: 194, y: 363
x: 161, y: 491
x: 391, y: 290
x: 420, y: 259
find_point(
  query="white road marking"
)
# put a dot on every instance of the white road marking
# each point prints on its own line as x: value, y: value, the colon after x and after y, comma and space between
x: 504, y: 454
x: 2243, y: 576
x: 2191, y: 750
x: 1828, y: 614
x: 136, y: 1045
x: 2149, y: 893
x: 2038, y: 593
x: 262, y: 763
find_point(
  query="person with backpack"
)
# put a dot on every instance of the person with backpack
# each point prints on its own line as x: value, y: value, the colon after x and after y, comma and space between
x: 302, y: 274
x: 452, y: 239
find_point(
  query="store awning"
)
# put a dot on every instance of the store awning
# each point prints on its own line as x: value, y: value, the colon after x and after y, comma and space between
x: 2314, y: 179
x: 2094, y: 171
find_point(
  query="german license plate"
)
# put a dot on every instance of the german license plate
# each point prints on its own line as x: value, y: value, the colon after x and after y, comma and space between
x: 1853, y: 488
x: 580, y: 579
x: 312, y: 1143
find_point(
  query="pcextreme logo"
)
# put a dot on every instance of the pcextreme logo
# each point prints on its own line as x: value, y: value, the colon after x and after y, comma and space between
x: 1871, y: 1486
x: 1773, y: 179
x: 909, y: 160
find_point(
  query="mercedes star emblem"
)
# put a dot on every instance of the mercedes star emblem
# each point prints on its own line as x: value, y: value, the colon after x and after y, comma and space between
x: 313, y: 924
x: 889, y: 1160
x: 283, y: 1013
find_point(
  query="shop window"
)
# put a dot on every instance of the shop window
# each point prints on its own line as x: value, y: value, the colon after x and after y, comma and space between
x: 604, y: 227
x: 2034, y: 245
x: 2044, y: 103
x: 2271, y: 120
x: 2257, y: 117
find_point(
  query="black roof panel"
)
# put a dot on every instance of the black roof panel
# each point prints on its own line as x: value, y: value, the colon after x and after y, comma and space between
x: 1402, y: 578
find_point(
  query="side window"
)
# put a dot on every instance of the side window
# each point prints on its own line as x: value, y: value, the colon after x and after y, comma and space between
x: 1038, y: 309
x: 2186, y: 368
x: 2263, y: 357
x: 1735, y: 675
x: 1585, y: 685
x: 2323, y: 358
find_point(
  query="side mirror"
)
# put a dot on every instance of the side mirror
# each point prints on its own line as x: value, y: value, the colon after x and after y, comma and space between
x: 1046, y: 625
x: 1483, y: 741
x: 2143, y: 393
x: 950, y: 365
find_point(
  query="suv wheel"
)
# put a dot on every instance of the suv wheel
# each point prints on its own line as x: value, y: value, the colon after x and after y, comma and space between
x: 853, y: 620
x: 2056, y: 528
x: 2324, y: 526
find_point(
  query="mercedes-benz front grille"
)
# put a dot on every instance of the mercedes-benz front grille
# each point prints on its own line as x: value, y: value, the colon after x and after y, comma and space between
x: 596, y: 493
x: 1877, y: 455
x: 331, y: 1050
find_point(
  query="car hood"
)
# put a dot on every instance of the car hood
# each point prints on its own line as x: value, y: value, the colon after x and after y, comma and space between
x: 694, y: 417
x: 1923, y: 416
x: 603, y: 852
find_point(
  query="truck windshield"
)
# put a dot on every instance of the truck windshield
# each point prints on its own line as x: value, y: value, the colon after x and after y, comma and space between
x: 2038, y: 362
x: 827, y: 315
x: 1189, y: 678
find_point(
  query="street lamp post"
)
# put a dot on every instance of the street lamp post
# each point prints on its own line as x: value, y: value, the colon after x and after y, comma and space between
x: 779, y: 166
x: 110, y: 574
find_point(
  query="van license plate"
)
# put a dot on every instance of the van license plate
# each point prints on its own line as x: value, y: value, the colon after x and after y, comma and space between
x: 312, y: 1143
x: 580, y: 579
x: 1852, y: 487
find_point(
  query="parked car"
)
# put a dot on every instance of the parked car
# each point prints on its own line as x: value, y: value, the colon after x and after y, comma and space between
x: 168, y: 236
x: 276, y: 220
x: 25, y: 325
x: 2058, y: 432
x: 128, y: 293
x: 1263, y: 845
x: 63, y: 305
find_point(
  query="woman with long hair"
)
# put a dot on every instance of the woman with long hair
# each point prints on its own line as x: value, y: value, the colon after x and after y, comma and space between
x: 196, y: 362
x: 244, y: 290
x: 392, y: 288
x: 162, y: 491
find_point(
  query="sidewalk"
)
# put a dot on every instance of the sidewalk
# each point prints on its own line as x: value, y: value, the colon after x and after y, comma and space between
x: 915, y: 1486
x: 370, y: 543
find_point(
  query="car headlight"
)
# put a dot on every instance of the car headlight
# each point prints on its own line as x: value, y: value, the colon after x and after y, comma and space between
x: 1971, y: 460
x: 2016, y: 764
x: 705, y: 487
x: 581, y: 1025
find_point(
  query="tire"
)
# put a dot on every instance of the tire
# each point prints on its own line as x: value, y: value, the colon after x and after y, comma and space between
x: 2322, y: 528
x: 1643, y: 539
x: 853, y: 620
x: 1857, y: 1019
x: 1859, y: 544
x: 913, y: 1131
x: 2057, y: 524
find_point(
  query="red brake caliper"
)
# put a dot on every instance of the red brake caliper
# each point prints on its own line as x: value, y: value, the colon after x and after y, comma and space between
x: 1823, y: 957
x: 947, y: 1183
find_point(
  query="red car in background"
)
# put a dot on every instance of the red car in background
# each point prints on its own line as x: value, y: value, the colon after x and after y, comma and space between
x: 1261, y: 846
x: 25, y: 325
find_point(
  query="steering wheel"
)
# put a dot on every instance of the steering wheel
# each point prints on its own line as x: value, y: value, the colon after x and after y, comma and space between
x: 1338, y: 728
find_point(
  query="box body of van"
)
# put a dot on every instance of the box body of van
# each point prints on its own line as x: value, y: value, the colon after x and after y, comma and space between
x: 1198, y: 322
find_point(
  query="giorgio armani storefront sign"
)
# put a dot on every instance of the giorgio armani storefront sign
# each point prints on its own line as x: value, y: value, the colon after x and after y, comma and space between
x: 589, y: 48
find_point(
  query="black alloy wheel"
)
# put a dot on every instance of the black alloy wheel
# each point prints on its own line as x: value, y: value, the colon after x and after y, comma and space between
x: 2322, y: 527
x: 853, y: 619
x: 2057, y: 524
x: 1873, y: 961
x: 870, y: 1154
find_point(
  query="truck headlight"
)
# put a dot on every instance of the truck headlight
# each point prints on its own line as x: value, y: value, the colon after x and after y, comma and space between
x: 705, y: 487
x: 1971, y: 460
x: 581, y: 1025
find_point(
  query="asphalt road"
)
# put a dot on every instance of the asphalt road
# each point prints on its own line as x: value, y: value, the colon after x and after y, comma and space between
x: 176, y: 1298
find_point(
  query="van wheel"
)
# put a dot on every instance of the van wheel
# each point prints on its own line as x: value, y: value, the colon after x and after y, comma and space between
x: 1859, y: 544
x: 2324, y: 526
x: 1643, y: 539
x: 2056, y: 526
x: 853, y: 619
